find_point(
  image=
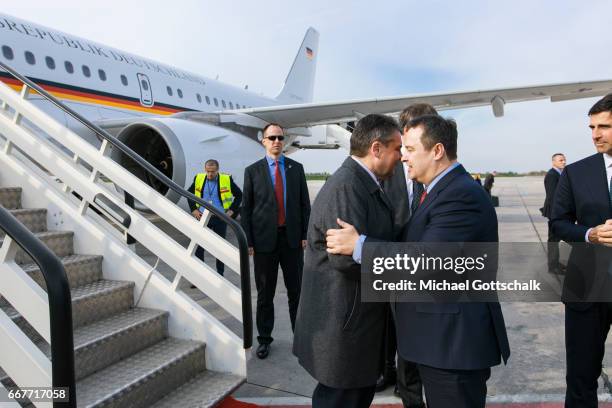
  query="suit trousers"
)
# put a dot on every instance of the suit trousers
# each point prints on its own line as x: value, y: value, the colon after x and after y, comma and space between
x: 220, y: 228
x: 409, y: 385
x: 328, y: 397
x: 553, y: 250
x: 454, y: 388
x: 585, y: 338
x: 266, y: 276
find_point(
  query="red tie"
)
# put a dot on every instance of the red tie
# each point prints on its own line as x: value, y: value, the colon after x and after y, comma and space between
x: 278, y: 192
x: 423, y: 197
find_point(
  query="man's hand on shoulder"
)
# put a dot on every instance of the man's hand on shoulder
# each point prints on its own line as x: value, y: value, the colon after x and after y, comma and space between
x: 602, y: 234
x: 341, y: 241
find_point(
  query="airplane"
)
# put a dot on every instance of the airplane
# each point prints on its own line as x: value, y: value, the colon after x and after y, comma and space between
x: 176, y: 119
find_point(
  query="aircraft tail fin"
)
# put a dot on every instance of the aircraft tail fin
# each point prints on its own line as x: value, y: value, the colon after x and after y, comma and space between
x: 299, y: 84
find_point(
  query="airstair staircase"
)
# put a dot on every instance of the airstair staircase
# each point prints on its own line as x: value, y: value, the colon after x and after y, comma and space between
x: 139, y: 339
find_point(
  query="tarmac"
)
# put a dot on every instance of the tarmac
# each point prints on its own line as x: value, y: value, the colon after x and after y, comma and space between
x: 534, y: 376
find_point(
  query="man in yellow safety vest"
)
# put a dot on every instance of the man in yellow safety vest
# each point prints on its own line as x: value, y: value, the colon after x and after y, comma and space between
x: 219, y: 190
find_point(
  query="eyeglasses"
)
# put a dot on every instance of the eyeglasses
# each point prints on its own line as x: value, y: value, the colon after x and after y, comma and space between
x: 275, y: 138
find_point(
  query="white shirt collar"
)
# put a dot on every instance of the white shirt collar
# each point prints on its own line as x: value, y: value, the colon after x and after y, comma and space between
x: 607, y: 160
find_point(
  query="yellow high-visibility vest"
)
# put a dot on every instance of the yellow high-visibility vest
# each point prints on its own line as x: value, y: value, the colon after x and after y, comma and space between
x: 225, y: 188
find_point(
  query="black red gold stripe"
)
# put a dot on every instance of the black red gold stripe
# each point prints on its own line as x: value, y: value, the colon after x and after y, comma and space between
x: 78, y: 94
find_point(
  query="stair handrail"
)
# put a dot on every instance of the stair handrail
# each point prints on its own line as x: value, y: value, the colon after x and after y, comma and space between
x: 60, y: 304
x: 243, y: 248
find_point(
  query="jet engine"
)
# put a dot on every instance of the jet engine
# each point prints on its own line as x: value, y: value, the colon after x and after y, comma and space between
x: 179, y: 148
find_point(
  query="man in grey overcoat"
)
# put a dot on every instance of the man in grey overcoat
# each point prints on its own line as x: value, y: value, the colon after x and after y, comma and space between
x: 338, y: 339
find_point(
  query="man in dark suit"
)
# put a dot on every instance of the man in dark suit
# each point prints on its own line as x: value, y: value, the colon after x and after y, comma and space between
x: 219, y: 190
x: 550, y: 185
x: 582, y: 212
x: 402, y: 191
x: 339, y: 339
x: 489, y: 181
x: 453, y: 344
x: 275, y: 212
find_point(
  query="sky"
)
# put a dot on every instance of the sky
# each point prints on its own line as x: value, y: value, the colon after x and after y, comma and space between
x: 373, y: 50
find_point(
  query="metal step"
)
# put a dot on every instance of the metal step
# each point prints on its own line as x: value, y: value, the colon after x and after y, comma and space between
x: 144, y: 378
x: 205, y: 390
x: 105, y: 342
x: 90, y: 303
x: 34, y: 219
x: 80, y: 270
x: 98, y: 300
x: 10, y: 197
x: 60, y: 242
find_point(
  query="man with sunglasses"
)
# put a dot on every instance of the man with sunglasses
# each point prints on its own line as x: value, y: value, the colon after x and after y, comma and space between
x: 275, y: 212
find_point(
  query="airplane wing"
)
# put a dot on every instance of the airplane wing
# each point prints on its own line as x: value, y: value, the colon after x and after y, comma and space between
x: 310, y: 114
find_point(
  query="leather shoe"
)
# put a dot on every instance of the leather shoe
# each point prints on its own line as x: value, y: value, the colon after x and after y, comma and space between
x: 385, y: 380
x: 262, y: 351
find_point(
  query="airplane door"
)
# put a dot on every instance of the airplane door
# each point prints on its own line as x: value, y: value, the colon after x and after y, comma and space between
x: 146, y: 94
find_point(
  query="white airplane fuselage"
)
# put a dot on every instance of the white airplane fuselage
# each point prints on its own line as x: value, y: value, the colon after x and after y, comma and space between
x: 105, y: 84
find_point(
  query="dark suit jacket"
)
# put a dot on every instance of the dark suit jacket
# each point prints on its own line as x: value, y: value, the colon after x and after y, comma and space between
x: 550, y: 185
x: 488, y: 183
x: 259, y: 207
x: 581, y: 202
x: 338, y: 339
x: 236, y: 192
x: 397, y: 191
x: 463, y: 336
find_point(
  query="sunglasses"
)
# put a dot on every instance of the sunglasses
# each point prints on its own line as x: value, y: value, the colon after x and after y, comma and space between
x: 275, y: 138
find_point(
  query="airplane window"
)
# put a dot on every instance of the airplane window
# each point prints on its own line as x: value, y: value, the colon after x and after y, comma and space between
x: 124, y: 80
x: 199, y: 98
x: 50, y: 62
x: 144, y: 84
x: 231, y: 105
x: 223, y: 103
x: 69, y: 67
x: 30, y: 59
x: 169, y: 90
x: 207, y: 99
x: 86, y: 71
x: 102, y: 75
x: 216, y: 101
x: 7, y: 52
x: 179, y: 93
